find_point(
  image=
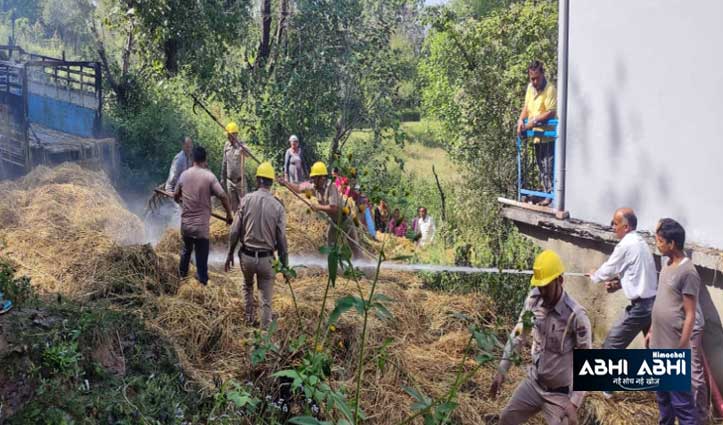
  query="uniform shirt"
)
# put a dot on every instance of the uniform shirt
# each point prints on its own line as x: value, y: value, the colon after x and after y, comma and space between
x: 539, y: 102
x: 633, y: 262
x: 181, y: 162
x: 330, y: 196
x: 233, y: 163
x: 197, y: 185
x: 668, y: 313
x: 556, y: 332
x: 260, y: 224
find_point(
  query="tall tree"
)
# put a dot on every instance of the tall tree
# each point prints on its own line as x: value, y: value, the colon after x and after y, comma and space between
x: 329, y: 69
x: 474, y: 78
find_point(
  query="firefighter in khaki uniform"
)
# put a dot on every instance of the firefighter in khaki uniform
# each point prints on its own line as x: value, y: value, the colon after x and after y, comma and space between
x: 331, y: 203
x: 559, y: 324
x: 260, y: 226
x: 232, y: 167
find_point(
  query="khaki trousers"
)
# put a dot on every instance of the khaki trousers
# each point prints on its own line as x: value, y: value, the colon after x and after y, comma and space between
x: 263, y: 270
x: 350, y: 229
x: 528, y: 399
x: 235, y: 192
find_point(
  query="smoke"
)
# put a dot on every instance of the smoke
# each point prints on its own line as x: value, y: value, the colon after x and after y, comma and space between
x: 155, y: 223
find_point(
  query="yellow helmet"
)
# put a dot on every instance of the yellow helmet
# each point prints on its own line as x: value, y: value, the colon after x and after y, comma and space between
x: 232, y: 128
x: 265, y: 170
x: 318, y: 169
x: 548, y: 266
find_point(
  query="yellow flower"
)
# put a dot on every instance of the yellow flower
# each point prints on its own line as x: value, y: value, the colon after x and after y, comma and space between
x: 346, y: 210
x: 332, y: 328
x: 319, y: 348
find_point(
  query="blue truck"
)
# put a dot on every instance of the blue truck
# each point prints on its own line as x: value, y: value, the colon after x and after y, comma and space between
x: 50, y: 113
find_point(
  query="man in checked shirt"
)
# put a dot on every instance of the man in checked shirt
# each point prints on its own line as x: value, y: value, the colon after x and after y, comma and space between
x: 559, y: 324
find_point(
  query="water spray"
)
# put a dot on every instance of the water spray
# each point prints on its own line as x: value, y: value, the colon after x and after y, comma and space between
x: 322, y: 263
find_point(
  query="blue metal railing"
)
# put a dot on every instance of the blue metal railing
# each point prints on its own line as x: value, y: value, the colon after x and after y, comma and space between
x: 524, y: 174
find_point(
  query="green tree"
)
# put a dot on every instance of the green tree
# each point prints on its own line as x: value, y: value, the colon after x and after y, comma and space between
x: 318, y: 69
x: 68, y: 20
x: 329, y: 68
x: 474, y: 75
x: 476, y: 8
x: 30, y: 9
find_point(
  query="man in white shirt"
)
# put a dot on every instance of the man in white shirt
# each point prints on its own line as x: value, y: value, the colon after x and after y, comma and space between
x: 423, y: 227
x: 631, y: 264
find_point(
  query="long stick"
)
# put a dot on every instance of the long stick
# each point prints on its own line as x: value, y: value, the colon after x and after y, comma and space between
x: 213, y: 117
x: 164, y: 193
x: 441, y: 193
x: 299, y: 197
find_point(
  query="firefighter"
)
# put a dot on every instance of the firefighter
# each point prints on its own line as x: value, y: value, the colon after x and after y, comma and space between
x: 559, y: 324
x: 331, y: 203
x: 232, y: 167
x: 260, y: 227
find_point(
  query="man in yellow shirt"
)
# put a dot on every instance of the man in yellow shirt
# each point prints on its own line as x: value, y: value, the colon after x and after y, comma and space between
x: 540, y: 105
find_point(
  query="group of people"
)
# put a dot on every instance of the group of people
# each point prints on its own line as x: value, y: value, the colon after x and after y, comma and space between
x: 258, y: 219
x: 665, y: 308
x: 423, y: 227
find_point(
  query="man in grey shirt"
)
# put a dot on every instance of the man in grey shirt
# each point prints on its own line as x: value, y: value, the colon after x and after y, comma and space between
x: 675, y: 319
x: 181, y: 162
x: 678, y: 322
x: 194, y: 190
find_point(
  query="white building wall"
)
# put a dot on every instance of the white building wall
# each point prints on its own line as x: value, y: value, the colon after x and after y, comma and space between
x: 645, y: 113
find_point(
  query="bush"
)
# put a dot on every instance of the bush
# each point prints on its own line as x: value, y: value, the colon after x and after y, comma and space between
x: 412, y: 115
x: 18, y: 290
x: 150, y: 131
x: 508, y: 292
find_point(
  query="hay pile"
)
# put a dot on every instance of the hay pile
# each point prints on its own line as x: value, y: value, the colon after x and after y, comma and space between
x: 305, y: 229
x: 394, y: 246
x: 76, y: 253
x: 626, y: 408
x: 55, y: 219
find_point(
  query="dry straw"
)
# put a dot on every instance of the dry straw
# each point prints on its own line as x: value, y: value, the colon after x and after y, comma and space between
x: 69, y: 230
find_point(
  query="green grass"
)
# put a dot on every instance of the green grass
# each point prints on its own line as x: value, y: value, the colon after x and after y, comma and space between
x: 423, y: 147
x: 424, y: 132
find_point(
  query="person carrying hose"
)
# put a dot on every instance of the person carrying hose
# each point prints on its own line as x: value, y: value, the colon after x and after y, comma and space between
x: 329, y: 202
x: 559, y: 325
